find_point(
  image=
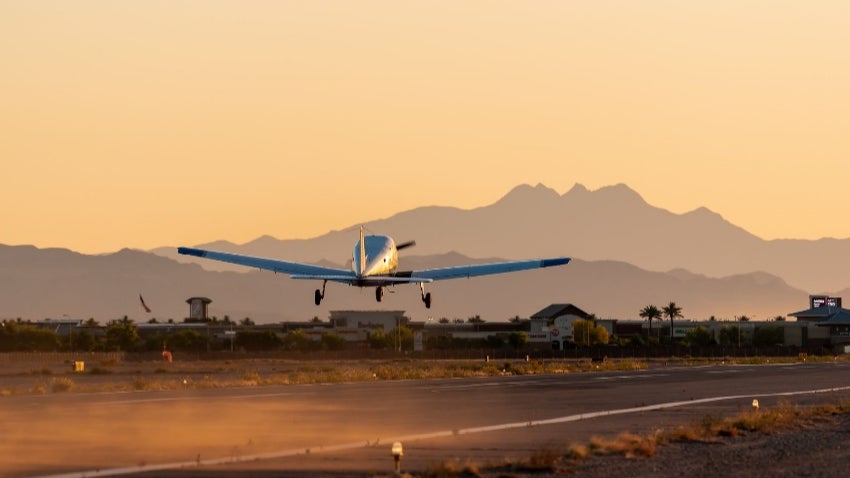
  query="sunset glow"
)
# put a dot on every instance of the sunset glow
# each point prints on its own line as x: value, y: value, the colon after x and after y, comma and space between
x: 145, y: 124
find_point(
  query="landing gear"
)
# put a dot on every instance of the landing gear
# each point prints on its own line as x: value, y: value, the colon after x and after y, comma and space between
x: 379, y: 293
x: 425, y: 297
x: 320, y: 294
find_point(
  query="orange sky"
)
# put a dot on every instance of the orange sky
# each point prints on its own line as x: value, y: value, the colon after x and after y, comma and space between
x: 150, y: 123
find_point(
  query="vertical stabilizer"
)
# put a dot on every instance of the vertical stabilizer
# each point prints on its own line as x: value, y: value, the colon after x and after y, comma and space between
x: 362, y: 254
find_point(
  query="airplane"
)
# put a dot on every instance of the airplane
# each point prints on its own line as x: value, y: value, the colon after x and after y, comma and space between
x: 375, y: 264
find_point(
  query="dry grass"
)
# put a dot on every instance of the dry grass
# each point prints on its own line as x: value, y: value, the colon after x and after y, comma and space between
x: 546, y: 459
x: 61, y: 384
x: 111, y: 376
x: 452, y: 469
x: 626, y: 444
x: 783, y: 416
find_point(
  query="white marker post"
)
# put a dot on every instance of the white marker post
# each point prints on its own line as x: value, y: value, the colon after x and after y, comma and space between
x: 397, y: 452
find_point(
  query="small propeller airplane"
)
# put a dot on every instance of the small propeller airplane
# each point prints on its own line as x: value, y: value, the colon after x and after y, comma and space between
x: 375, y: 264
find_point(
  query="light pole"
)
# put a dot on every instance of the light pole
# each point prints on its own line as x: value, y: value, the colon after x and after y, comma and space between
x: 398, y: 333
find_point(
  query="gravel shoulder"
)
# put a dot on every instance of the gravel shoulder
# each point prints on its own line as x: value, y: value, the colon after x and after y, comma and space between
x: 816, y: 450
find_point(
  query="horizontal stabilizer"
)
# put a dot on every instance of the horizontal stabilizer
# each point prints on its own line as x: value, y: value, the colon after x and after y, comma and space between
x: 363, y: 281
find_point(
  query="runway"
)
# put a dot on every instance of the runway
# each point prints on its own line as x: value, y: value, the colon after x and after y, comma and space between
x: 350, y: 426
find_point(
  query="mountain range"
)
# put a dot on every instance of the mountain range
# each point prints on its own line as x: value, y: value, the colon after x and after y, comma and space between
x: 611, y: 223
x: 627, y: 254
x: 42, y: 283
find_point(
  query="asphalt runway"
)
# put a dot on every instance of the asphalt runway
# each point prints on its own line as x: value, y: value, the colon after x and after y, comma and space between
x: 349, y: 427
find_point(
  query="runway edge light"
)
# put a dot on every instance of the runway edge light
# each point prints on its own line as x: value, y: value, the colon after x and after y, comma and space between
x: 397, y: 452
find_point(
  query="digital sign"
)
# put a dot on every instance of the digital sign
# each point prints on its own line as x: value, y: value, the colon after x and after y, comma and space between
x: 818, y: 301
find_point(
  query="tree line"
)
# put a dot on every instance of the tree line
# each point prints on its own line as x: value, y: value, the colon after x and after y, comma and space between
x: 123, y: 335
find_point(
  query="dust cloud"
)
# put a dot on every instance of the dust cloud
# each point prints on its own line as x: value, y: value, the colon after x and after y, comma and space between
x: 79, y: 432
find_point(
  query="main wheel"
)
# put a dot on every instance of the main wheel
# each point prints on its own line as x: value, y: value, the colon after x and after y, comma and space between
x: 318, y: 297
x: 427, y: 300
x: 379, y: 293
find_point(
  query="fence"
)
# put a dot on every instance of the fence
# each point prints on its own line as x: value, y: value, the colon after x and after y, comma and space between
x: 52, y: 358
x: 46, y: 358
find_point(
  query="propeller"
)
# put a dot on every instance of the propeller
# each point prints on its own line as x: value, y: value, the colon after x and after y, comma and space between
x: 404, y: 245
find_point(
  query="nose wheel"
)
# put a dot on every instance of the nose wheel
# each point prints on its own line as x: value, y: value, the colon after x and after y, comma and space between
x: 379, y: 293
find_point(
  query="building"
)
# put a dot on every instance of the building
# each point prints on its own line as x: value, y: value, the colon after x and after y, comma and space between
x: 828, y: 322
x: 821, y: 307
x: 368, y: 319
x: 198, y: 309
x: 554, y: 325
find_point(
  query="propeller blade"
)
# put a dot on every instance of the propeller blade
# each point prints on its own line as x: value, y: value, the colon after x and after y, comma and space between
x: 404, y: 245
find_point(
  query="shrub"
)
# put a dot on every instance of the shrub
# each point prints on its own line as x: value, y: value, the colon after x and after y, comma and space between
x: 452, y: 469
x: 297, y: 340
x: 252, y: 378
x: 257, y: 340
x: 768, y: 335
x: 699, y: 337
x: 517, y: 340
x: 61, y: 384
x: 332, y: 341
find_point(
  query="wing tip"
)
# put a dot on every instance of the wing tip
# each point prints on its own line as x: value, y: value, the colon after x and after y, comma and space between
x: 188, y: 251
x: 558, y: 261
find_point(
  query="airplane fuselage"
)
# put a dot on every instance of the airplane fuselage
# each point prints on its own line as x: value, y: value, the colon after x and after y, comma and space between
x: 379, y: 256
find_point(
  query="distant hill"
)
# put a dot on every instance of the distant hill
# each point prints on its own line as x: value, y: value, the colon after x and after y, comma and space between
x: 611, y: 223
x: 40, y: 283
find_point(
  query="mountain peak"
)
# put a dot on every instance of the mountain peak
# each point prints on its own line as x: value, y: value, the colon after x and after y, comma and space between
x: 620, y: 192
x: 703, y: 211
x: 576, y: 190
x: 528, y: 193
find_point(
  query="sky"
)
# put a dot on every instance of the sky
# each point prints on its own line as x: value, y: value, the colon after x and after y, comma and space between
x: 151, y: 123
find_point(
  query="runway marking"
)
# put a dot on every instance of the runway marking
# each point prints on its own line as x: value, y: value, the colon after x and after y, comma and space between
x: 190, y: 398
x: 632, y: 377
x: 425, y: 436
x: 467, y: 386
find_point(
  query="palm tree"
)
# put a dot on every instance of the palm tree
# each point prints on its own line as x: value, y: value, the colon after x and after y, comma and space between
x: 650, y: 312
x: 673, y: 312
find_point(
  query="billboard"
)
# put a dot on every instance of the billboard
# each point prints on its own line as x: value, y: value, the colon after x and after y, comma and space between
x: 817, y: 301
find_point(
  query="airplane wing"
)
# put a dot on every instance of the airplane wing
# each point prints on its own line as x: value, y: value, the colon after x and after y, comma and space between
x: 285, y: 267
x: 363, y: 281
x: 458, y: 272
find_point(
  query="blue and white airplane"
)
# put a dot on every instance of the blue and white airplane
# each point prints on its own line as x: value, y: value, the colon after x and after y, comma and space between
x: 375, y: 264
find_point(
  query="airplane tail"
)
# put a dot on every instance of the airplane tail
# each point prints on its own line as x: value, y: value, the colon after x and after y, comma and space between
x: 362, y: 253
